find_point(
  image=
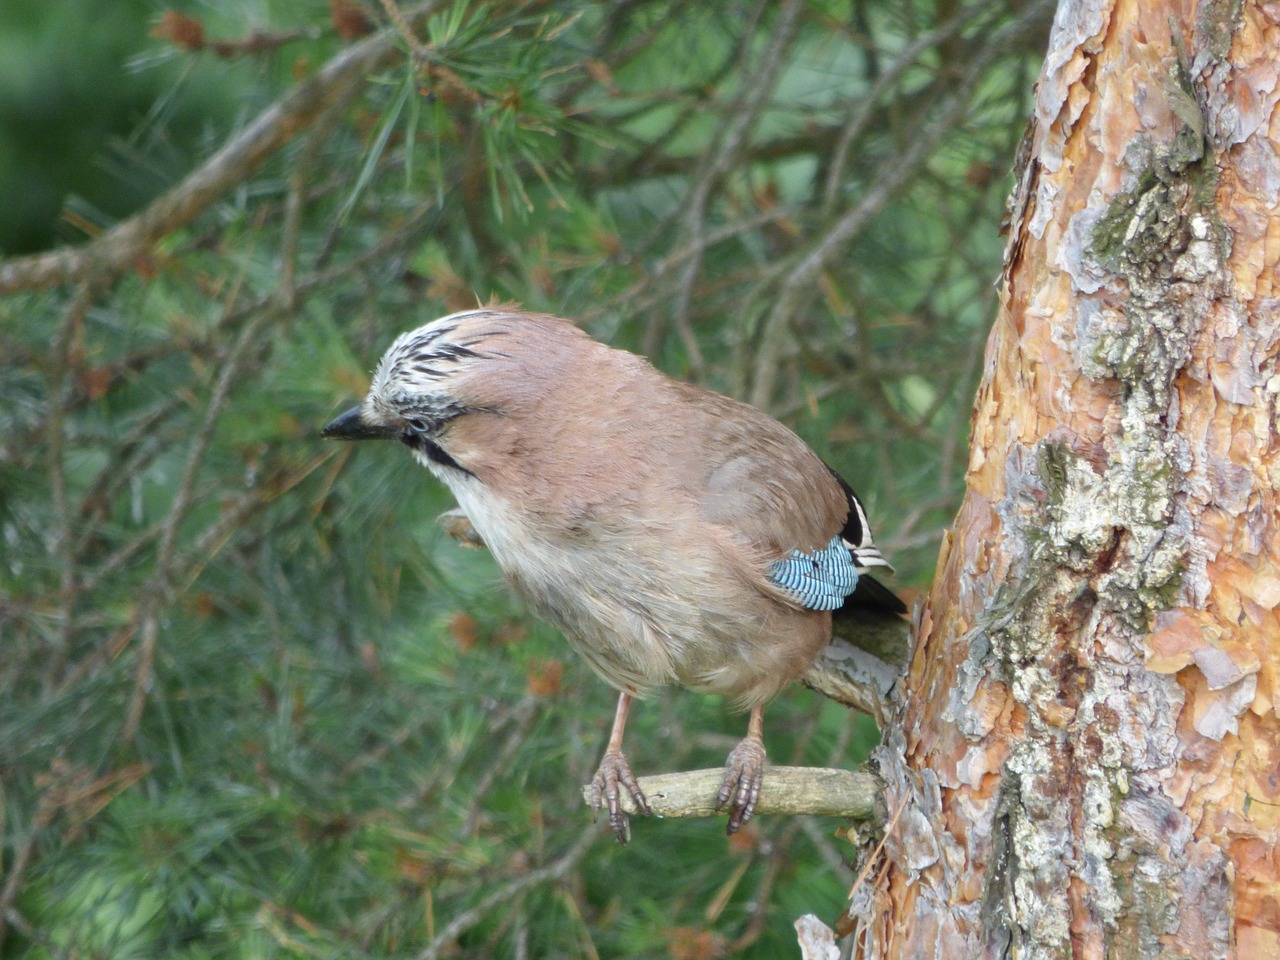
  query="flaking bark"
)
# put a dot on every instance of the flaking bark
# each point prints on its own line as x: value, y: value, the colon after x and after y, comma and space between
x: 1087, y: 738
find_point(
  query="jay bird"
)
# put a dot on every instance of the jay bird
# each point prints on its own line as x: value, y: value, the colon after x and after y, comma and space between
x: 674, y: 535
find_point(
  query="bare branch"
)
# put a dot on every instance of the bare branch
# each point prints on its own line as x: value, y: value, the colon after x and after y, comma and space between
x: 507, y: 893
x: 739, y: 122
x: 820, y: 791
x: 863, y: 109
x: 893, y: 174
x: 61, y: 386
x: 115, y: 251
x: 848, y: 673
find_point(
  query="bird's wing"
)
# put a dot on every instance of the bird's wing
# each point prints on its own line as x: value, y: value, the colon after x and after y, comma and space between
x: 804, y: 523
x: 817, y: 579
x: 776, y: 499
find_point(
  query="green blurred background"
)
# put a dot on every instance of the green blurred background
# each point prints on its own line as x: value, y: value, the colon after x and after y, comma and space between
x: 255, y: 702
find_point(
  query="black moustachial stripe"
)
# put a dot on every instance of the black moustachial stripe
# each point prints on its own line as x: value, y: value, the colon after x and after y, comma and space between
x: 432, y: 450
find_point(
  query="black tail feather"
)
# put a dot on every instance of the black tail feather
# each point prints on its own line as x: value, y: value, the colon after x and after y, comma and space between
x: 870, y: 592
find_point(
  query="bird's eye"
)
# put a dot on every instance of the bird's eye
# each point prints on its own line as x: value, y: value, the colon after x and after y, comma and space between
x: 417, y: 424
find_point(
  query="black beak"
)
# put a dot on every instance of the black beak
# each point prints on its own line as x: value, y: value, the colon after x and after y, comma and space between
x: 351, y: 426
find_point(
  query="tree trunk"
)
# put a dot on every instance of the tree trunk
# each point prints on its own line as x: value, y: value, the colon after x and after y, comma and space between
x: 1087, y: 741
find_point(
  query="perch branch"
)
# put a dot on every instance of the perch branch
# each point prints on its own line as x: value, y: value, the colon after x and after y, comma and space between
x: 819, y: 791
x: 866, y: 656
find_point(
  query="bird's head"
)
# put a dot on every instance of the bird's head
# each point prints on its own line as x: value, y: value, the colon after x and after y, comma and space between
x: 416, y: 387
x: 494, y: 361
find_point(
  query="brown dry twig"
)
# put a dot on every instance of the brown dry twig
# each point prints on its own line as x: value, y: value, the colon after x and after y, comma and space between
x: 846, y: 921
x: 187, y: 33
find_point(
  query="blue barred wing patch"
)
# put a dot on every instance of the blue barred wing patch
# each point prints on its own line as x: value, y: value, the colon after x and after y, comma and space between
x: 820, y: 580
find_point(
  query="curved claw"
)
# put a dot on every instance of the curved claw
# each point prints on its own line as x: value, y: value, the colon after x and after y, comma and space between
x: 743, y: 774
x: 614, y: 771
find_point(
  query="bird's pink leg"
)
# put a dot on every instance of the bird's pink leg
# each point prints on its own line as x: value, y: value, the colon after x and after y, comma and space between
x: 743, y: 773
x: 614, y: 772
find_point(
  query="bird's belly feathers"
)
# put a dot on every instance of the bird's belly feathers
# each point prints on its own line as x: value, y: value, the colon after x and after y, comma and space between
x: 641, y: 616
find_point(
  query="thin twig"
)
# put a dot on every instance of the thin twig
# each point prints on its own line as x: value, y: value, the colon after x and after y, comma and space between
x: 61, y: 386
x: 571, y: 901
x: 779, y: 858
x: 47, y: 807
x: 893, y: 174
x: 742, y: 117
x: 871, y: 859
x: 644, y: 293
x: 862, y: 111
x: 821, y: 840
x: 128, y: 456
x: 161, y: 579
x: 295, y: 201
x: 24, y: 927
x: 522, y: 717
x: 206, y: 544
x: 402, y: 25
x: 507, y: 893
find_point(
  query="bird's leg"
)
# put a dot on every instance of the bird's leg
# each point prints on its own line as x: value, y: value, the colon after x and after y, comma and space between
x: 743, y: 773
x: 614, y: 772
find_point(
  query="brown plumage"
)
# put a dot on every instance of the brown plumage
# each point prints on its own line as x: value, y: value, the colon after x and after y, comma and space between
x: 642, y: 516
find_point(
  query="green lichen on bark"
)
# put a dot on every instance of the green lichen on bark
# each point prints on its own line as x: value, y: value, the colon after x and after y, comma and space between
x: 1158, y: 249
x: 1089, y: 513
x: 1147, y: 229
x: 1160, y: 246
x: 1106, y: 546
x: 1216, y: 25
x: 997, y: 892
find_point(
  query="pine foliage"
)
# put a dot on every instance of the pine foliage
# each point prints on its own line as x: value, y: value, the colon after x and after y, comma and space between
x: 254, y: 702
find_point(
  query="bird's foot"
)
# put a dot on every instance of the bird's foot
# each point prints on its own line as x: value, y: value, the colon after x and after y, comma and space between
x: 743, y: 774
x: 614, y: 772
